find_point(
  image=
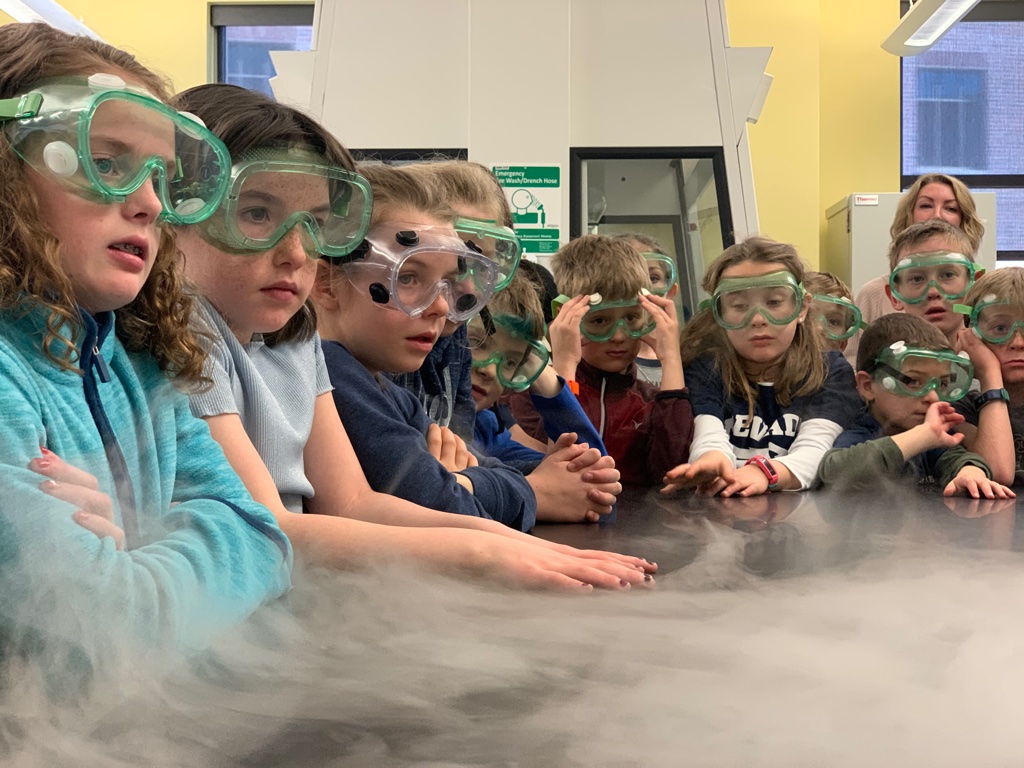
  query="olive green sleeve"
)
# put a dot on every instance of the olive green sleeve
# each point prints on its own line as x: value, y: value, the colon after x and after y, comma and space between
x: 858, y: 467
x: 954, y: 459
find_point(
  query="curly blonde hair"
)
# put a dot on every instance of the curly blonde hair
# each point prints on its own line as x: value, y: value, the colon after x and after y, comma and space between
x: 969, y: 221
x: 157, y: 320
x: 805, y: 369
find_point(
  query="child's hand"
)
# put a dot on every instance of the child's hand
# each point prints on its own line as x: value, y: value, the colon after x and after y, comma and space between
x: 449, y: 449
x: 666, y: 326
x: 941, y: 418
x: 567, y: 496
x: 566, y: 340
x: 750, y: 481
x: 971, y: 480
x: 711, y: 473
x: 987, y: 367
x: 95, y: 510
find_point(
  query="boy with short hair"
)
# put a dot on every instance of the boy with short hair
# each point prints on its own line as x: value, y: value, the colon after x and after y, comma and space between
x: 994, y: 339
x: 595, y: 339
x: 509, y: 355
x: 932, y: 265
x: 908, y: 377
x: 832, y: 309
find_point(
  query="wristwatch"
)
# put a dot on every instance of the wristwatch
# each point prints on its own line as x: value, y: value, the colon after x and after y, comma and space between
x: 992, y: 396
x: 769, y: 471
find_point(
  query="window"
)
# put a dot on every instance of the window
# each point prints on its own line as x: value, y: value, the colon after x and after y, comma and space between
x: 246, y: 34
x: 962, y: 102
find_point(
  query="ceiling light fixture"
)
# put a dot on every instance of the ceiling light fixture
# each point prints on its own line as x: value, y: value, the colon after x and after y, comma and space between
x: 923, y: 25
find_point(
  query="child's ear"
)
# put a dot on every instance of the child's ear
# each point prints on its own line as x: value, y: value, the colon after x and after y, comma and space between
x: 808, y: 298
x: 323, y: 292
x: 865, y: 385
x: 672, y: 293
x: 896, y: 303
x: 843, y: 345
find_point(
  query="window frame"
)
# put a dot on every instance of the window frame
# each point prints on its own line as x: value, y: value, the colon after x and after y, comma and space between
x: 224, y: 15
x: 985, y: 11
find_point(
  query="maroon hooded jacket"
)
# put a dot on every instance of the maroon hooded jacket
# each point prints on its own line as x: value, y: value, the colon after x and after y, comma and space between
x: 646, y: 431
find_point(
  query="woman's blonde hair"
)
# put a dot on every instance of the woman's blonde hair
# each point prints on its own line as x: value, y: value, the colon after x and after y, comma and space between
x: 805, y: 369
x: 463, y: 182
x: 969, y: 221
x: 157, y: 320
x: 247, y: 120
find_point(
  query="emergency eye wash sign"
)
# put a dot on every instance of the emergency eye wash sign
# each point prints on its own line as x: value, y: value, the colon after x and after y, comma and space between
x: 535, y: 194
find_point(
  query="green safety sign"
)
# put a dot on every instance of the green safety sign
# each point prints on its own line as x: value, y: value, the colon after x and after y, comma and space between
x: 535, y: 194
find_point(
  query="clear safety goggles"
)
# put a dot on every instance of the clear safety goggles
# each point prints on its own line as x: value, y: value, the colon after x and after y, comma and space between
x: 951, y: 274
x: 274, y: 191
x: 839, y: 317
x: 997, y: 322
x: 407, y: 266
x: 606, y: 318
x: 502, y: 341
x: 498, y: 243
x: 104, y: 139
x: 913, y: 372
x: 662, y: 271
x: 777, y: 297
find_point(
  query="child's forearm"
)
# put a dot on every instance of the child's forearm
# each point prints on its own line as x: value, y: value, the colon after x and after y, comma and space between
x: 993, y: 439
x: 915, y: 441
x: 672, y: 373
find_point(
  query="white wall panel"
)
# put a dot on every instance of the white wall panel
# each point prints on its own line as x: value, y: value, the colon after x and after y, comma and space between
x: 642, y: 75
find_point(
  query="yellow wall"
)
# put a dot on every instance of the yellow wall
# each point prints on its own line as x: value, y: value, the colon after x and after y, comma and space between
x: 169, y: 36
x: 831, y: 124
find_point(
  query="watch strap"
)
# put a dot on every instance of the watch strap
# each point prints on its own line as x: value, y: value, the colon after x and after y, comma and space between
x: 991, y: 396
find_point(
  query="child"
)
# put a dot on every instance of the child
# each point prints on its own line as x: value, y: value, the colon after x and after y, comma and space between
x: 832, y: 309
x: 594, y: 345
x: 932, y: 265
x: 931, y: 196
x: 661, y: 269
x: 767, y: 401
x: 994, y: 425
x: 442, y: 383
x: 294, y: 193
x: 95, y: 345
x: 908, y: 377
x: 382, y: 310
x: 509, y: 354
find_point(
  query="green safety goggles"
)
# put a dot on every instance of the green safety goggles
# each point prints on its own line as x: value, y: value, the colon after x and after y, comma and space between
x: 662, y: 271
x: 951, y: 274
x: 498, y: 243
x: 504, y: 342
x: 104, y: 139
x: 839, y: 318
x: 913, y: 372
x: 777, y: 297
x: 273, y: 191
x: 606, y: 318
x: 994, y: 321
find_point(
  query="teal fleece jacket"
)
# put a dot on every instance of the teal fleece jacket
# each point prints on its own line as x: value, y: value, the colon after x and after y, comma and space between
x: 201, y: 554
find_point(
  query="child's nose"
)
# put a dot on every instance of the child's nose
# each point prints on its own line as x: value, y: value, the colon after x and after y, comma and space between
x: 290, y: 249
x: 1017, y: 340
x: 931, y: 396
x: 143, y: 202
x: 439, y: 307
x: 489, y: 371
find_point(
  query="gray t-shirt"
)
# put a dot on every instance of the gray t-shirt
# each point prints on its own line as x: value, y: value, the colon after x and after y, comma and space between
x: 971, y: 413
x: 272, y: 389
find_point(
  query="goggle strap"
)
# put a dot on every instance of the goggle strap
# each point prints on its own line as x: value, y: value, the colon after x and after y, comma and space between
x: 21, y: 107
x: 963, y: 309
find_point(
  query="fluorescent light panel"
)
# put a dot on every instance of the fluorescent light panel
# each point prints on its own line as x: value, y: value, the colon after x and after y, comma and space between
x: 49, y: 11
x: 923, y: 25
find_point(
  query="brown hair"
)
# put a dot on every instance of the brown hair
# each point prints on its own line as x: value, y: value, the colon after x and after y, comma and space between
x: 520, y: 299
x: 600, y: 264
x: 463, y: 182
x: 805, y: 368
x: 888, y: 329
x: 826, y: 284
x: 247, y: 120
x: 922, y: 232
x: 1006, y: 284
x: 157, y: 320
x: 969, y: 221
x: 649, y: 244
x: 396, y: 188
